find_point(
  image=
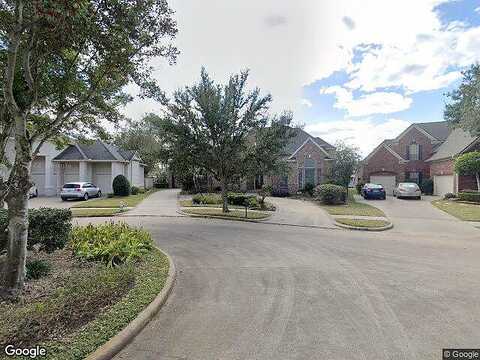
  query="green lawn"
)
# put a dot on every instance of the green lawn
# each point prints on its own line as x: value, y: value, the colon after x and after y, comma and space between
x: 466, y: 212
x: 114, y: 202
x: 86, y: 212
x: 362, y: 222
x: 189, y: 203
x: 234, y: 214
x: 353, y: 208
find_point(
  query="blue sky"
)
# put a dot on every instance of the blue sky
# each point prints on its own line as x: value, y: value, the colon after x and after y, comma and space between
x: 358, y: 71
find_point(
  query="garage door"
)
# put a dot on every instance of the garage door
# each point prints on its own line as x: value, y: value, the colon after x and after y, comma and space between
x: 38, y: 174
x: 102, y: 176
x: 388, y: 182
x: 443, y: 184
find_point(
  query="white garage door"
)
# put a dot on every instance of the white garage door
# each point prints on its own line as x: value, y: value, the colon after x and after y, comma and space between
x: 38, y: 174
x: 102, y: 176
x: 387, y: 181
x: 443, y: 184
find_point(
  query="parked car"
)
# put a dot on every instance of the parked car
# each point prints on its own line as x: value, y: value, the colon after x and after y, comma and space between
x: 407, y: 190
x: 79, y: 190
x: 33, y: 192
x: 373, y: 191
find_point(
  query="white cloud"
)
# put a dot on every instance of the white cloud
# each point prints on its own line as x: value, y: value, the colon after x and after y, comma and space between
x: 364, y: 133
x: 306, y: 102
x: 368, y: 104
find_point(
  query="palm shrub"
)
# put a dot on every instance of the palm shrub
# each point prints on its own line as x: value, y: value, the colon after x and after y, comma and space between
x: 111, y: 243
x: 330, y: 194
x: 121, y: 186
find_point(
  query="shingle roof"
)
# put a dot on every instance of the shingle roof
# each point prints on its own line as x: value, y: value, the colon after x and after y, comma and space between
x: 97, y: 150
x: 456, y: 142
x: 439, y: 129
x: 300, y: 136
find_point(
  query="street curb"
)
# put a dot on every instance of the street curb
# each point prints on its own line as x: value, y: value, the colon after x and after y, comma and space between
x: 113, y: 346
x: 224, y: 217
x: 383, y: 228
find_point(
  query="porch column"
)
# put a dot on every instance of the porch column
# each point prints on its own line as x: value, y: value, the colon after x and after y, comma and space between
x: 82, y: 171
x: 50, y: 179
x: 59, y: 171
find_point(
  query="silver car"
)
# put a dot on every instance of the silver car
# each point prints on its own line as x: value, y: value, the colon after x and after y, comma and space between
x: 407, y: 190
x: 79, y: 190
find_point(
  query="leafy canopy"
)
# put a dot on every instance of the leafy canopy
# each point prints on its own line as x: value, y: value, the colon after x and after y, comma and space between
x: 468, y: 164
x: 345, y: 161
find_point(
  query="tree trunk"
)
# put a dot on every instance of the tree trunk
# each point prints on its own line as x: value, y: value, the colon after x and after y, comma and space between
x: 224, y: 197
x: 477, y: 176
x: 17, y: 202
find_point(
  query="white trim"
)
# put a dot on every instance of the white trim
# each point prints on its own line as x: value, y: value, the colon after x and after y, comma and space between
x: 304, y: 143
x: 90, y: 160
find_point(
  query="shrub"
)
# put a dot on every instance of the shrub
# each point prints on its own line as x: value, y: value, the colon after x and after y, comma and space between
x: 121, y: 186
x: 111, y: 243
x: 240, y: 199
x: 449, y: 196
x: 110, y: 195
x: 134, y: 190
x: 359, y: 187
x: 48, y: 228
x: 37, y: 269
x: 206, y: 199
x: 308, y: 189
x: 471, y: 196
x: 161, y: 181
x: 427, y: 186
x: 330, y: 194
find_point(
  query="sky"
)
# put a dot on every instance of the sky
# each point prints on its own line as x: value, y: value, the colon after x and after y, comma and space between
x: 356, y: 71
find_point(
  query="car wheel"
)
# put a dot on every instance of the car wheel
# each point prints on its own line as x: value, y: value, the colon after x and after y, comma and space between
x: 64, y: 199
x: 419, y: 198
x: 85, y: 197
x: 99, y: 194
x: 384, y: 198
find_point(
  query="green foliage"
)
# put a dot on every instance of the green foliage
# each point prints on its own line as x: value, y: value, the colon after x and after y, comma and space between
x: 471, y: 196
x: 468, y: 163
x: 463, y: 109
x: 37, y: 269
x: 134, y: 190
x: 265, y: 191
x: 330, y: 194
x: 359, y: 187
x: 111, y: 243
x: 49, y: 228
x: 427, y: 186
x: 206, y: 199
x: 161, y: 181
x: 240, y: 199
x: 121, y: 186
x: 449, y: 196
x: 345, y: 161
x: 308, y: 189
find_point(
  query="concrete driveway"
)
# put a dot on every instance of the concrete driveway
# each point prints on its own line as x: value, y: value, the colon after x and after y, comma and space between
x: 299, y: 212
x: 264, y: 291
x: 51, y: 202
x: 421, y: 218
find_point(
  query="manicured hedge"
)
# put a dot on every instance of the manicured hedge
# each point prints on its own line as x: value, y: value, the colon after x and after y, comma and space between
x: 330, y: 194
x: 472, y: 196
x: 49, y: 228
x: 121, y: 186
x: 238, y: 199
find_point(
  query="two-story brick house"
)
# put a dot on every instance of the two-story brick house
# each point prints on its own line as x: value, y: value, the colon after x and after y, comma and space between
x: 404, y: 158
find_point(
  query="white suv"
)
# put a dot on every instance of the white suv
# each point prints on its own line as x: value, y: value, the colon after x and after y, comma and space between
x: 79, y: 190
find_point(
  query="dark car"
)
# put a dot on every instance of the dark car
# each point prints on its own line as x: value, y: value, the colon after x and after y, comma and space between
x: 373, y: 191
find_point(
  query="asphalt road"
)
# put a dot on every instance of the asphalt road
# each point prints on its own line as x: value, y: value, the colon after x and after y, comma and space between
x: 263, y: 291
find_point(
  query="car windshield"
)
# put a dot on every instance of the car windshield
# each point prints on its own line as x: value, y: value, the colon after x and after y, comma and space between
x: 375, y: 186
x: 409, y: 186
x: 71, y: 186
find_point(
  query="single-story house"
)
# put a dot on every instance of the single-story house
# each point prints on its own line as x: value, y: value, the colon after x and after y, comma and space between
x: 441, y: 163
x: 309, y: 161
x: 96, y: 162
x: 405, y: 157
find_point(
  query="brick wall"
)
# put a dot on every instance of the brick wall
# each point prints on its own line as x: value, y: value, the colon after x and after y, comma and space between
x: 442, y: 167
x: 383, y: 162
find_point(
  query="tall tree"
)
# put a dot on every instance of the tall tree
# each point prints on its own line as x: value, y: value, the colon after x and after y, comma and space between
x: 345, y: 162
x: 469, y: 164
x: 64, y: 65
x: 212, y: 128
x: 463, y: 108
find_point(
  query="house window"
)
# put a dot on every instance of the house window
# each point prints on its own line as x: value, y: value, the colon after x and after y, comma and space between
x: 307, y: 174
x: 414, y: 152
x: 415, y: 176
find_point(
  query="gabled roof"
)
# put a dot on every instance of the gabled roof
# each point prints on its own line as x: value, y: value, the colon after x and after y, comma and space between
x: 97, y: 150
x: 385, y: 144
x: 439, y: 129
x: 300, y: 138
x: 457, y: 142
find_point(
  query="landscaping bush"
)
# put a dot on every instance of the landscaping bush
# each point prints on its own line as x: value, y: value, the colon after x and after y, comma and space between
x: 48, y: 228
x: 359, y: 187
x: 121, y: 186
x: 427, y: 186
x: 330, y: 194
x: 161, y: 181
x: 449, y: 196
x: 308, y: 189
x: 37, y: 269
x: 134, y: 190
x: 471, y: 196
x: 206, y: 199
x: 240, y: 199
x: 110, y: 195
x: 111, y: 243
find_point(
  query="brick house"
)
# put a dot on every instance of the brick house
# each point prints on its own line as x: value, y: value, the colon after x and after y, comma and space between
x: 404, y: 158
x: 308, y: 159
x: 442, y: 163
